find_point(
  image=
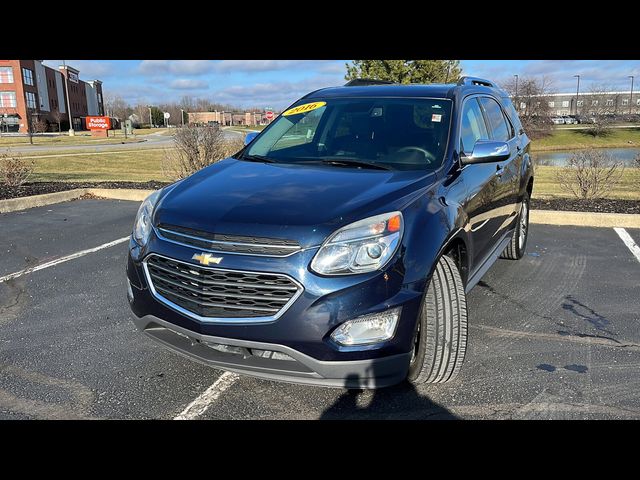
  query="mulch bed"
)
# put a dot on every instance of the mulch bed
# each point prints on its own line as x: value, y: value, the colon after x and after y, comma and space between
x: 566, y: 204
x: 601, y: 205
x: 38, y: 188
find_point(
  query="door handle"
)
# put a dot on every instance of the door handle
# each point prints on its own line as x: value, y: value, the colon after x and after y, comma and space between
x: 519, y: 150
x: 499, y: 171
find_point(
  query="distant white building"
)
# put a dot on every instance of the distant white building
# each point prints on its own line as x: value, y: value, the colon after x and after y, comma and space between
x: 588, y: 103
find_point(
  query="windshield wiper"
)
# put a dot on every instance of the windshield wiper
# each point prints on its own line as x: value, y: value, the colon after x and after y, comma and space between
x: 256, y: 158
x: 354, y: 163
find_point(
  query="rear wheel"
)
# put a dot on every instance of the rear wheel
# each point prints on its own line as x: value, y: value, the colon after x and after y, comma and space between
x: 440, y: 340
x: 518, y: 243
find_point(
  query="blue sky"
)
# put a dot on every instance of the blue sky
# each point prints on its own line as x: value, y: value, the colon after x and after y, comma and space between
x: 277, y: 83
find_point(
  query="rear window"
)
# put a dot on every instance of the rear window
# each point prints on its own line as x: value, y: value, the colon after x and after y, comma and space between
x: 500, y: 127
x: 512, y: 113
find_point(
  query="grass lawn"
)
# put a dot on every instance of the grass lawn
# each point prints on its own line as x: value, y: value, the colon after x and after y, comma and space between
x: 562, y: 139
x: 242, y: 128
x: 143, y: 165
x: 135, y: 166
x: 82, y: 138
x: 545, y: 184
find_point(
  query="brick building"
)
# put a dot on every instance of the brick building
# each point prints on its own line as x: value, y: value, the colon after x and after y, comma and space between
x: 31, y: 91
x: 228, y: 118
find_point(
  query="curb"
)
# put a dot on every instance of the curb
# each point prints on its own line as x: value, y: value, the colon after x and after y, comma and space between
x: 23, y: 203
x: 131, y: 194
x: 585, y: 219
x: 545, y: 217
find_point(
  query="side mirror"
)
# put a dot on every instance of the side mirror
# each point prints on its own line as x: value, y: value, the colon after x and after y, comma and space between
x: 249, y: 137
x: 487, y: 151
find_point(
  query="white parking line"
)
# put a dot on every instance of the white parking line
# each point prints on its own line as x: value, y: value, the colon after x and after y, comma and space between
x: 210, y: 395
x: 628, y: 241
x: 61, y: 260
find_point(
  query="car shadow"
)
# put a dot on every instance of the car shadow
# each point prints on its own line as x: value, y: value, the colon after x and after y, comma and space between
x: 399, y: 402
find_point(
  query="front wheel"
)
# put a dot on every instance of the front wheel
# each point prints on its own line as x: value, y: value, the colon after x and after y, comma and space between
x: 518, y: 243
x: 440, y: 340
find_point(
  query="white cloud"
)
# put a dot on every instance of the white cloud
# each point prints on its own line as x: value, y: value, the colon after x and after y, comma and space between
x: 188, y: 84
x: 181, y: 67
x: 248, y: 66
x: 275, y: 94
x: 613, y: 73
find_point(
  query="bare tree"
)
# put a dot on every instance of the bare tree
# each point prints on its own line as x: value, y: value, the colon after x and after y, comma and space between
x: 40, y: 125
x: 598, y: 108
x: 197, y: 148
x: 58, y: 116
x: 116, y: 106
x: 142, y: 111
x: 590, y: 174
x: 532, y: 102
x: 15, y: 170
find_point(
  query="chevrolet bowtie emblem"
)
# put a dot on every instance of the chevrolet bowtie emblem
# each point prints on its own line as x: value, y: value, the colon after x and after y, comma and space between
x: 206, y: 258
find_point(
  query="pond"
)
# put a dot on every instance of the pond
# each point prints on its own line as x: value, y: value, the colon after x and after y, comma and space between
x: 559, y: 158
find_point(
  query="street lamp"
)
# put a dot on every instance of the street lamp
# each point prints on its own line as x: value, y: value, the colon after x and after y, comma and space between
x: 66, y: 86
x: 516, y: 91
x: 631, y: 96
x: 577, y: 92
x: 150, y: 118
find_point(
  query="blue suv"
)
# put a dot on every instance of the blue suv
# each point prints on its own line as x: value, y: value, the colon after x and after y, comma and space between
x: 337, y: 247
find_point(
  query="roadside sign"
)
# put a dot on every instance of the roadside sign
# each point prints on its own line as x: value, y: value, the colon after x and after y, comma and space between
x: 269, y: 115
x: 98, y: 123
x: 167, y: 115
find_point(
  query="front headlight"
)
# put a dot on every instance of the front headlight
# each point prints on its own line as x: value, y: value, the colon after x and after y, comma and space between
x: 363, y: 246
x: 142, y: 226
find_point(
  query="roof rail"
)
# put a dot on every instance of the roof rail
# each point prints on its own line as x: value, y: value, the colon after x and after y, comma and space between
x: 359, y: 82
x: 475, y: 81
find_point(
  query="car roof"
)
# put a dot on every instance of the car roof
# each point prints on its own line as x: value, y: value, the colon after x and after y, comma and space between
x: 434, y: 90
x: 413, y: 90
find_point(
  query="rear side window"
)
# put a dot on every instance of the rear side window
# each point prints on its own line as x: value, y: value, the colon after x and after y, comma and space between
x: 513, y: 114
x: 472, y: 127
x: 500, y: 128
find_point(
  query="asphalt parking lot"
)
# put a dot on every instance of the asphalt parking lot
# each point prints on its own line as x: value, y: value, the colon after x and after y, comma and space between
x: 553, y: 336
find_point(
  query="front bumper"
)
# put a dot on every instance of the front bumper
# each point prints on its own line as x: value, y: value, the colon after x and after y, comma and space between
x: 302, y: 332
x: 256, y: 359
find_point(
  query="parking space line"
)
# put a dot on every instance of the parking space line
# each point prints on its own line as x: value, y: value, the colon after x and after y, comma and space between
x: 210, y: 395
x: 628, y: 241
x: 57, y: 261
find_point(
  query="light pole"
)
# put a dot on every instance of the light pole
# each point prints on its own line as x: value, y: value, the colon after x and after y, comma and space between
x: 516, y: 91
x: 66, y: 87
x: 631, y: 96
x: 577, y: 92
x: 182, y: 116
x: 150, y: 118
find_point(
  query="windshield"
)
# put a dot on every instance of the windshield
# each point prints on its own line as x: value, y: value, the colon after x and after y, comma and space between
x: 392, y: 133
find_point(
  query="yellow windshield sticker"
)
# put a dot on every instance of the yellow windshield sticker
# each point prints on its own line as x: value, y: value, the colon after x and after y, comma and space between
x: 307, y: 107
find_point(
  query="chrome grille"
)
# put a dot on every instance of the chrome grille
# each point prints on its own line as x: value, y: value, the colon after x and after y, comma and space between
x: 214, y: 293
x: 216, y: 242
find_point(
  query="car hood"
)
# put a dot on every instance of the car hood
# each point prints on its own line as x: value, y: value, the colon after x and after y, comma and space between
x: 305, y: 203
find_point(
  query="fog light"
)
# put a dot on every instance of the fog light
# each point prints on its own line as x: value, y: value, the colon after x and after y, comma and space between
x: 368, y: 329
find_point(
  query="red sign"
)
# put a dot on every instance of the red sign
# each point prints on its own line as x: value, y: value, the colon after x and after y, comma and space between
x: 98, y: 123
x: 269, y: 115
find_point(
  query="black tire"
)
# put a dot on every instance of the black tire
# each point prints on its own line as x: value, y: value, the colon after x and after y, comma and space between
x: 516, y: 248
x: 441, y: 331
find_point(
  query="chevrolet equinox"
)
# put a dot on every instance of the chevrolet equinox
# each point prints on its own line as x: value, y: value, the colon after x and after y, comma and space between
x: 337, y: 247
